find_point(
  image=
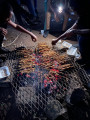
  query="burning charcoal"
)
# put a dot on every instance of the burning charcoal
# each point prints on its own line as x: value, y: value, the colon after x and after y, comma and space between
x: 27, y: 75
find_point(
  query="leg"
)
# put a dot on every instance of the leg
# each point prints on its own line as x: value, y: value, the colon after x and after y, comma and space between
x: 48, y: 17
x: 36, y: 11
x: 30, y: 7
x: 35, y: 5
x: 45, y: 7
x: 66, y: 16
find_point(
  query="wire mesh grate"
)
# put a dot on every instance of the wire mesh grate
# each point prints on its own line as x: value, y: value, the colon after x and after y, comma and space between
x: 42, y: 85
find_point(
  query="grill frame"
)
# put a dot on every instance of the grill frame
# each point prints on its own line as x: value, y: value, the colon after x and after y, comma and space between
x: 36, y: 105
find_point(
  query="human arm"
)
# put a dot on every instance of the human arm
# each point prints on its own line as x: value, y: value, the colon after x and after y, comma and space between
x: 67, y: 34
x: 81, y: 31
x: 20, y: 28
x: 50, y: 5
x: 56, y: 15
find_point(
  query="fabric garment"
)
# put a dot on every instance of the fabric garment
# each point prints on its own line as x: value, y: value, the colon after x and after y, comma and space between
x: 18, y: 11
x: 31, y: 5
x: 35, y: 5
x: 84, y: 47
x: 84, y: 21
x: 84, y: 40
x: 45, y: 9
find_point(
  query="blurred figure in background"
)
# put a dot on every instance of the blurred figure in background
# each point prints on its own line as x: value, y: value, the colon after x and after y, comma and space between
x: 22, y: 15
x: 19, y: 12
x: 81, y: 28
x: 32, y: 7
x: 56, y: 7
x: 66, y: 14
x: 5, y: 19
x: 35, y: 7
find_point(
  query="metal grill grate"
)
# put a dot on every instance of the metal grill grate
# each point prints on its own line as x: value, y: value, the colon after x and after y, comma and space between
x: 40, y: 97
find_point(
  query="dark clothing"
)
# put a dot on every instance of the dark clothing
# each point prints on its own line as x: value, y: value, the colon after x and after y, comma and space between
x: 3, y: 24
x: 84, y: 22
x: 29, y: 5
x: 84, y: 40
x: 19, y: 11
x: 84, y: 47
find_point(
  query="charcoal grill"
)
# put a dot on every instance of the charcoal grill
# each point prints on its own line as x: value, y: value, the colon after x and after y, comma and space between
x: 39, y: 98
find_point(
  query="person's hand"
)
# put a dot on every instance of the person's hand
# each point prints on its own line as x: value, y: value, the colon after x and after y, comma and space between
x: 67, y: 34
x: 54, y: 41
x: 34, y: 38
x: 3, y: 31
x: 56, y: 17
